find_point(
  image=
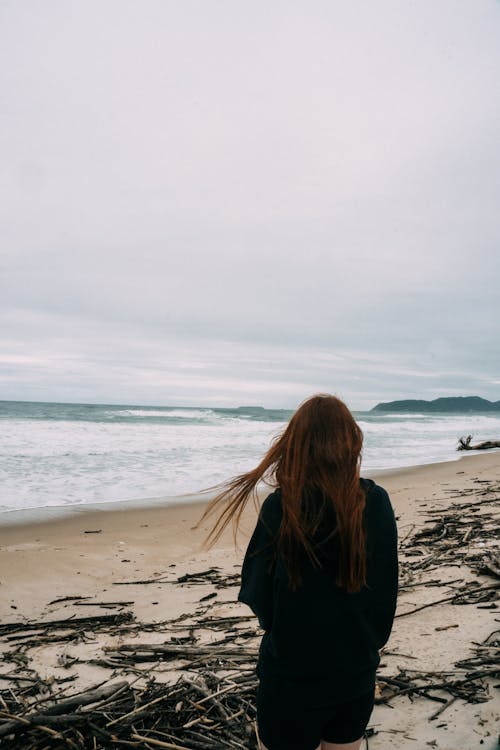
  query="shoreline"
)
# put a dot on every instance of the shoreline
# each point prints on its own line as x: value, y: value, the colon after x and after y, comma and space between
x: 99, y: 544
x: 55, y: 513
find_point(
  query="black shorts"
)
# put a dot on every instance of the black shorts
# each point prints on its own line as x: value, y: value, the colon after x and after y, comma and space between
x: 283, y: 726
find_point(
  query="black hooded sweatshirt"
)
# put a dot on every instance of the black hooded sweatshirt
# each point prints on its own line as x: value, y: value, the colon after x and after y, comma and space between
x: 321, y: 643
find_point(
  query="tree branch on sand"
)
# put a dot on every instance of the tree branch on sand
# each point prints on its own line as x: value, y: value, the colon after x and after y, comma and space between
x: 465, y: 444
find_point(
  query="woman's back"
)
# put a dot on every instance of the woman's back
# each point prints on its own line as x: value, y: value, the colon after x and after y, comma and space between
x: 319, y: 628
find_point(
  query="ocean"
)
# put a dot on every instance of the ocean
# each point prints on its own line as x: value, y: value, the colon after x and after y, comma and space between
x: 71, y: 454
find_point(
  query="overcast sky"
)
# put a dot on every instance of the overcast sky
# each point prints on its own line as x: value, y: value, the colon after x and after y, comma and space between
x: 224, y: 202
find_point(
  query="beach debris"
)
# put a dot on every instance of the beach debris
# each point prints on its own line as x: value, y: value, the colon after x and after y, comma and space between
x: 208, y: 596
x: 213, y: 576
x: 103, y: 604
x: 212, y: 704
x: 205, y: 712
x: 489, y: 565
x: 465, y: 444
x: 69, y: 599
x: 68, y: 623
x: 203, y: 654
x: 461, y: 534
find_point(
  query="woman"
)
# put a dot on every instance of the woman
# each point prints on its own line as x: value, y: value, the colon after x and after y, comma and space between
x: 320, y: 573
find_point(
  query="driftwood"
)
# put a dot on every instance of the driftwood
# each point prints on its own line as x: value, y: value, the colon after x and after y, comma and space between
x: 212, y: 709
x: 166, y: 651
x: 82, y: 622
x: 202, y: 713
x: 471, y: 596
x: 62, y: 708
x: 462, y: 534
x: 214, y: 576
x: 465, y: 444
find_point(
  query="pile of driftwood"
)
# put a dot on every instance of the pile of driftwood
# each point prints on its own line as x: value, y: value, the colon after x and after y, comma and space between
x: 211, y: 705
x: 462, y: 534
x: 466, y: 681
x: 206, y: 712
x: 208, y: 701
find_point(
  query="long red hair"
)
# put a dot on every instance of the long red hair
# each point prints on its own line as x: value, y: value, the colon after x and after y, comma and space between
x: 315, y: 463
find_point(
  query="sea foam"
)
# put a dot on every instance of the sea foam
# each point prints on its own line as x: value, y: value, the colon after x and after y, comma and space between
x: 66, y: 454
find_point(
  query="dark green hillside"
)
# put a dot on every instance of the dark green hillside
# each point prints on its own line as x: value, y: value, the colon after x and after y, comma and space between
x: 450, y: 405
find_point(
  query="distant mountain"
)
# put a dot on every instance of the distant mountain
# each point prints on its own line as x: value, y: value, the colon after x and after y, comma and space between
x: 452, y: 404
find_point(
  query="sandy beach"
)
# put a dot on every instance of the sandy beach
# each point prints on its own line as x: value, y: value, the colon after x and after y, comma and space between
x: 116, y: 559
